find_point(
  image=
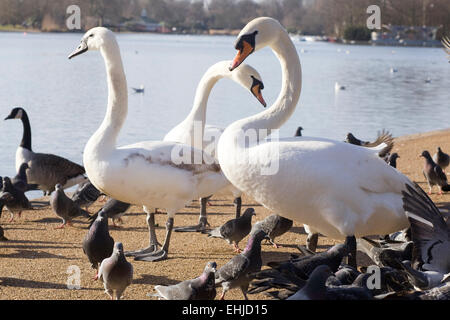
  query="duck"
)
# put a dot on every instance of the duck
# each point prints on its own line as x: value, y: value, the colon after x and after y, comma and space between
x: 152, y: 174
x: 354, y: 195
x: 45, y: 169
x: 188, y: 130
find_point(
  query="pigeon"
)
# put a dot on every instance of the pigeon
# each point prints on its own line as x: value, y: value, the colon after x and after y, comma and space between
x: 429, y: 231
x: 235, y: 230
x: 433, y: 173
x: 85, y: 195
x: 141, y: 89
x: 383, y: 137
x: 385, y: 254
x: 13, y: 199
x: 116, y: 272
x: 98, y: 244
x: 441, y: 158
x: 303, y: 267
x: 391, y: 159
x: 274, y: 226
x: 236, y: 272
x: 113, y: 209
x: 298, y: 132
x: 2, y: 235
x: 424, y: 280
x: 64, y: 207
x: 316, y: 289
x: 200, y: 288
x: 20, y: 181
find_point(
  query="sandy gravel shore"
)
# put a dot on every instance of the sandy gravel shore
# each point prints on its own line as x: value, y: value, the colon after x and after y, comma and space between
x: 35, y: 260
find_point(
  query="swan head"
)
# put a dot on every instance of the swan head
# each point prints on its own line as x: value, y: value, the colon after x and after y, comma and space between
x: 249, y: 78
x: 94, y: 39
x: 16, y: 113
x: 258, y: 33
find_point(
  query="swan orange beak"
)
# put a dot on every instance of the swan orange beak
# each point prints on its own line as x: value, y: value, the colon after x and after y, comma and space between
x: 258, y: 95
x: 242, y: 54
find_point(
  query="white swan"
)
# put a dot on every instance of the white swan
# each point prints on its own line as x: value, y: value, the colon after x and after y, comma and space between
x: 334, y: 187
x: 189, y: 131
x: 146, y: 173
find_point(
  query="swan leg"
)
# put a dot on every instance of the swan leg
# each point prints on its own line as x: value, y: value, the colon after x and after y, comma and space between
x: 160, y: 254
x: 238, y: 204
x: 202, y: 220
x: 351, y: 257
x: 153, y: 243
x: 311, y: 241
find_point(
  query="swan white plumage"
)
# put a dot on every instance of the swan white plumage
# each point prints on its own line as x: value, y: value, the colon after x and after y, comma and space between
x: 148, y: 173
x: 334, y: 187
x: 189, y: 131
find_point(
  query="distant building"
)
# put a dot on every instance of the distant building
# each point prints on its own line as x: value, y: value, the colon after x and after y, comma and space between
x: 406, y: 36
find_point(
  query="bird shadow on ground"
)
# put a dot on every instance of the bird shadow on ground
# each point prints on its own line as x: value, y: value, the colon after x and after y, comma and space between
x: 48, y: 220
x: 11, y: 227
x: 23, y: 283
x: 33, y: 254
x: 154, y: 280
x: 196, y: 213
x: 37, y: 242
x: 137, y: 229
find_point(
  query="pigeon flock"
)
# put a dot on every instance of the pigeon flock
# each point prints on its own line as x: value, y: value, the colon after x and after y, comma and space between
x: 412, y: 263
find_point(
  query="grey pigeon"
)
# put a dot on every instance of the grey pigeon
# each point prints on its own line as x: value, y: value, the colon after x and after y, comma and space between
x: 441, y: 158
x: 298, y: 132
x: 64, y: 207
x: 200, y: 288
x: 98, y: 244
x: 274, y: 226
x: 114, y: 209
x: 433, y: 173
x: 316, y: 289
x: 430, y: 233
x: 303, y: 267
x: 385, y: 254
x: 2, y: 235
x: 236, y: 272
x: 235, y: 230
x: 383, y: 137
x: 20, y: 180
x: 424, y: 280
x: 116, y: 272
x: 13, y: 199
x: 85, y: 195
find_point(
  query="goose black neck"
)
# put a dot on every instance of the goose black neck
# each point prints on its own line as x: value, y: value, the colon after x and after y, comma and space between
x: 26, y: 138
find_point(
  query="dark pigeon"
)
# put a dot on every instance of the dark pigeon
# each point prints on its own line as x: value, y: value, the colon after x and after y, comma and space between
x: 236, y: 272
x: 114, y: 209
x: 200, y: 288
x: 438, y: 293
x: 383, y: 137
x: 386, y: 254
x: 433, y: 173
x: 441, y: 158
x: 98, y: 244
x: 13, y: 199
x: 236, y: 229
x: 303, y: 267
x: 316, y: 289
x: 116, y: 272
x: 20, y: 181
x: 391, y: 159
x: 85, y: 195
x: 64, y: 207
x: 274, y: 226
x: 429, y: 231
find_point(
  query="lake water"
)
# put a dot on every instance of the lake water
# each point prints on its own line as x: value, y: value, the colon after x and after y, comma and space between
x: 66, y: 99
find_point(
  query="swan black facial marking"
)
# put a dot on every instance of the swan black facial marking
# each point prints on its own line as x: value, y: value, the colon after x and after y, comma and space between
x: 249, y: 38
x: 257, y: 82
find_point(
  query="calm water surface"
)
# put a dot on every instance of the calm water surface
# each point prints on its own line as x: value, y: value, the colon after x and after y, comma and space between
x: 66, y: 99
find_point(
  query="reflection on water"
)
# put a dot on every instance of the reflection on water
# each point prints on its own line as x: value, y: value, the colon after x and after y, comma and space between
x: 66, y: 100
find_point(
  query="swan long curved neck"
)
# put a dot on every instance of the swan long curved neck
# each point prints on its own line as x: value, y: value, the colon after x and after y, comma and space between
x: 117, y: 108
x: 26, y: 137
x: 281, y: 110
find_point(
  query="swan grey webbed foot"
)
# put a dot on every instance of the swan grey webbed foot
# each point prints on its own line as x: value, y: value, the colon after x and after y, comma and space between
x: 238, y: 204
x: 202, y: 221
x: 150, y: 249
x: 163, y: 252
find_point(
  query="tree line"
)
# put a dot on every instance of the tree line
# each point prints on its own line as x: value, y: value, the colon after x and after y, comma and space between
x: 328, y: 17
